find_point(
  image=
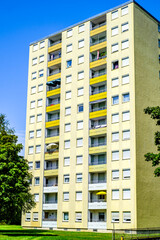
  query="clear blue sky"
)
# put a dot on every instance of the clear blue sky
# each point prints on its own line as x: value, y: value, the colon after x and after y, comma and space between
x: 22, y: 22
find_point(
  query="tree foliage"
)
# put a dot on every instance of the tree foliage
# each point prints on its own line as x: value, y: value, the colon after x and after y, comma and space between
x: 15, y: 195
x: 154, y: 112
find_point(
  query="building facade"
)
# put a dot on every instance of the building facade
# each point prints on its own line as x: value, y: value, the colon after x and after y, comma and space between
x: 86, y: 131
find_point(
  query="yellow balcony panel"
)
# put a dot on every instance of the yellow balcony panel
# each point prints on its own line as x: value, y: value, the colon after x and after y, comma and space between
x: 54, y: 62
x: 98, y: 96
x: 98, y: 63
x: 50, y: 156
x: 54, y: 77
x: 98, y: 168
x: 52, y: 123
x: 98, y: 79
x: 53, y: 92
x: 97, y: 114
x: 99, y: 149
x: 98, y: 46
x: 53, y: 172
x: 55, y: 47
x: 52, y: 139
x: 53, y: 108
x: 98, y: 30
x: 98, y: 131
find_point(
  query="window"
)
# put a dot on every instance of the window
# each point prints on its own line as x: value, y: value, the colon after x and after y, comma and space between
x: 35, y: 216
x: 34, y: 61
x: 69, y: 79
x: 68, y: 110
x: 79, y: 177
x: 39, y: 103
x: 66, y: 196
x: 33, y: 104
x: 33, y: 90
x: 115, y: 82
x: 42, y: 44
x: 159, y: 43
x: 81, y: 28
x: 67, y: 144
x: 30, y: 150
x: 126, y: 194
x: 78, y: 217
x: 78, y: 196
x: 66, y: 161
x: 115, y: 31
x: 80, y: 108
x: 115, y: 65
x: 115, y: 216
x: 67, y: 127
x: 115, y: 136
x: 28, y: 217
x: 124, y: 10
x: 38, y: 148
x: 35, y: 47
x: 80, y: 91
x: 31, y: 134
x: 115, y: 155
x: 66, y: 178
x: 79, y: 159
x: 34, y: 75
x: 115, y: 194
x: 115, y: 174
x: 38, y: 133
x: 32, y: 119
x: 126, y: 116
x: 39, y: 117
x: 69, y: 63
x: 126, y: 217
x: 66, y: 216
x: 80, y: 59
x: 125, y: 79
x: 37, y: 165
x: 79, y: 142
x: 126, y: 154
x: 125, y: 44
x: 36, y: 181
x: 126, y: 173
x: 115, y: 118
x: 69, y: 33
x: 41, y: 73
x: 30, y: 164
x: 115, y: 100
x: 80, y: 125
x: 114, y: 14
x: 41, y: 58
x: 80, y: 75
x: 125, y: 62
x: 68, y: 94
x: 115, y: 47
x: 126, y: 134
x: 40, y: 88
x: 125, y: 27
x: 126, y: 97
x: 81, y: 43
x: 69, y: 48
x: 36, y: 197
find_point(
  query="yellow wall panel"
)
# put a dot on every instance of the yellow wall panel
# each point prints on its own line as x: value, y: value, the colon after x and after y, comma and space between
x: 98, y: 168
x: 98, y: 46
x: 98, y: 96
x: 52, y: 123
x: 98, y: 30
x: 53, y: 108
x: 98, y: 63
x: 97, y: 114
x: 53, y: 92
x: 54, y: 77
x: 53, y: 172
x: 98, y: 79
x: 54, y: 62
x: 55, y: 47
x: 98, y: 131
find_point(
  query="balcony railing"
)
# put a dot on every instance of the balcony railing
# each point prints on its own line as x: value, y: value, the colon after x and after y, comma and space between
x: 98, y: 58
x: 53, y: 88
x: 52, y: 119
x: 50, y: 219
x: 99, y: 25
x: 52, y: 135
x: 54, y: 57
x: 50, y: 202
x: 98, y: 162
x: 98, y: 91
x: 98, y: 181
x: 51, y: 74
x: 52, y: 104
x: 98, y: 74
x: 98, y: 144
x: 98, y: 109
x: 99, y: 126
x: 55, y: 43
x: 51, y: 168
x: 97, y: 200
x: 50, y: 184
x: 98, y: 41
x: 97, y: 220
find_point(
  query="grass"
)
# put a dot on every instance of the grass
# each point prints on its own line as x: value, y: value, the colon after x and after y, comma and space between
x: 12, y: 232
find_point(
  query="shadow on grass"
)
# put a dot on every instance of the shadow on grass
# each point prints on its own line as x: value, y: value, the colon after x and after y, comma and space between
x: 17, y: 233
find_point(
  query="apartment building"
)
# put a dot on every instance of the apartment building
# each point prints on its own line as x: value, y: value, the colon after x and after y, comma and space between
x: 86, y: 132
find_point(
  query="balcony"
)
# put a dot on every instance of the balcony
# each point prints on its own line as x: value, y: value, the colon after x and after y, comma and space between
x: 97, y: 95
x: 93, y: 168
x: 49, y: 222
x: 53, y: 107
x: 55, y: 46
x: 98, y: 78
x: 95, y: 185
x: 55, y: 61
x: 53, y: 122
x: 53, y: 137
x: 54, y: 76
x: 50, y: 188
x: 97, y: 204
x: 98, y: 45
x: 98, y: 28
x: 98, y: 112
x: 98, y: 130
x: 50, y: 156
x: 50, y: 205
x: 98, y: 148
x: 54, y: 92
x: 96, y: 62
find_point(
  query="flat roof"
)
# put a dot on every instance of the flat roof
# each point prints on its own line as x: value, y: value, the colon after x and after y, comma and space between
x: 91, y: 18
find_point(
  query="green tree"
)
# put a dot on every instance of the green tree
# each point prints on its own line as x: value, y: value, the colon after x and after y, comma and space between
x: 15, y: 196
x: 154, y: 112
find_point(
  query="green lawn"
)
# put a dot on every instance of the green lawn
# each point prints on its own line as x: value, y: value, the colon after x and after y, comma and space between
x: 11, y: 232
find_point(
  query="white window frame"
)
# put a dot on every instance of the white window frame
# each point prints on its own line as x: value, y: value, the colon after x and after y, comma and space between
x: 69, y: 33
x: 64, y: 219
x: 124, y: 10
x: 115, y: 155
x: 81, y: 59
x: 38, y: 149
x: 81, y: 43
x: 68, y: 95
x: 33, y: 90
x: 79, y: 159
x: 36, y: 197
x: 66, y: 161
x: 35, y: 47
x: 80, y: 75
x: 69, y: 48
x: 39, y: 102
x: 38, y: 133
x: 114, y: 31
x: 127, y: 136
x: 126, y: 173
x: 80, y: 91
x: 114, y: 14
x: 125, y: 27
x: 30, y: 150
x: 117, y: 101
x: 33, y: 104
x: 30, y: 164
x: 115, y: 82
x: 69, y: 79
x: 28, y: 217
x: 67, y: 144
x: 115, y: 174
x: 32, y: 119
x: 126, y: 193
x: 42, y: 44
x: 125, y: 62
x: 125, y: 44
x: 115, y: 120
x: 39, y: 117
x: 41, y: 58
x: 78, y: 217
x: 35, y: 216
x: 79, y: 142
x: 115, y: 216
x: 81, y: 28
x: 65, y: 196
x: 115, y: 47
x: 115, y: 194
x: 67, y: 127
x: 34, y: 75
x: 31, y: 134
x: 66, y: 177
x: 41, y: 72
x: 79, y: 177
x: 125, y: 79
x: 126, y: 154
x: 115, y: 136
x: 78, y: 195
x: 40, y: 88
x: 68, y: 111
x: 125, y: 116
x: 80, y: 125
